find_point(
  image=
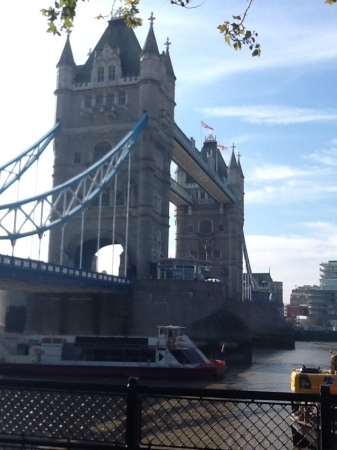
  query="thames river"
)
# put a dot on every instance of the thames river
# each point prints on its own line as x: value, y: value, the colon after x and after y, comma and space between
x: 271, y: 369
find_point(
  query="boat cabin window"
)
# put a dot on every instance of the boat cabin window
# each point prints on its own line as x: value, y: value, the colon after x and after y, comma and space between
x: 22, y: 349
x: 170, y: 332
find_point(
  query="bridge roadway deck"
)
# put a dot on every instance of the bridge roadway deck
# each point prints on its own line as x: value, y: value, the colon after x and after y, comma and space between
x: 186, y: 156
x: 38, y: 276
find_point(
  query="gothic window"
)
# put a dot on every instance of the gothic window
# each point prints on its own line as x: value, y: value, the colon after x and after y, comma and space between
x: 121, y: 98
x: 99, y: 100
x: 88, y: 101
x: 205, y: 226
x: 101, y: 149
x: 112, y: 73
x: 189, y: 179
x: 77, y: 158
x: 100, y: 74
x: 189, y: 228
x: 110, y: 99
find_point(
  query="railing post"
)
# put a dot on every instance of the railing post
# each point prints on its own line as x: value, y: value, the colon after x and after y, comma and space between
x: 326, y: 419
x: 133, y: 411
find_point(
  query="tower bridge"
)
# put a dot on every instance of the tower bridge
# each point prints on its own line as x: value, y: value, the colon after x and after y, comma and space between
x: 114, y: 146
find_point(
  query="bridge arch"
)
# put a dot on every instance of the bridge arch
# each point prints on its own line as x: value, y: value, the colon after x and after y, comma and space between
x: 83, y: 252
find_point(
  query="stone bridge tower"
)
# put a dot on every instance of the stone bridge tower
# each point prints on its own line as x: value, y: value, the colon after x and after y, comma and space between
x: 97, y: 104
x: 211, y: 232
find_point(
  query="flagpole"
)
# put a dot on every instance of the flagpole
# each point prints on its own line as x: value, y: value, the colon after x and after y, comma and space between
x: 200, y: 136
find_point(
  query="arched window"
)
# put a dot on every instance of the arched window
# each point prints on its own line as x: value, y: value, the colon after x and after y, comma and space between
x: 121, y: 98
x: 88, y: 101
x: 205, y: 226
x: 110, y: 99
x: 100, y: 74
x: 77, y: 158
x: 112, y: 73
x: 99, y: 100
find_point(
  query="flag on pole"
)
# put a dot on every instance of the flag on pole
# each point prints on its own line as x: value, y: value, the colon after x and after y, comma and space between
x: 221, y: 147
x: 206, y: 126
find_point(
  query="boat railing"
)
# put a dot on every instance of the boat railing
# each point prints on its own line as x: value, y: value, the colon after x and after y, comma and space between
x: 133, y: 415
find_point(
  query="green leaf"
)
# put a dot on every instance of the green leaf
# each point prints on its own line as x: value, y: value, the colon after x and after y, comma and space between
x: 256, y: 52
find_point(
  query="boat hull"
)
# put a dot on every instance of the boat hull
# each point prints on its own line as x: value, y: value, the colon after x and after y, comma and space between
x: 204, y: 371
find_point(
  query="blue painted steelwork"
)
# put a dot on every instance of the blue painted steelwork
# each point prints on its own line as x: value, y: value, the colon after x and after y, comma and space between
x: 36, y: 215
x: 30, y: 270
x: 15, y: 168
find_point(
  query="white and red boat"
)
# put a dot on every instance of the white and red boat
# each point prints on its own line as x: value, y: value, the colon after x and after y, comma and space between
x: 170, y: 354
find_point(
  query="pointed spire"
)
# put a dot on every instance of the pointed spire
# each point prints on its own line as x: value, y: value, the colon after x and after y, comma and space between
x: 168, y: 64
x: 67, y: 54
x: 150, y: 45
x: 233, y: 163
x: 239, y: 166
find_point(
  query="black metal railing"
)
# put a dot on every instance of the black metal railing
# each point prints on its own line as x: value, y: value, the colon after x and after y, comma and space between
x: 37, y: 414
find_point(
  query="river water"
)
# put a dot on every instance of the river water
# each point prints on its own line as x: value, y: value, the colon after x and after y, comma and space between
x: 271, y: 369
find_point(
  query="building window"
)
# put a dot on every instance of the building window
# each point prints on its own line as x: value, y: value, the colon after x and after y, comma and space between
x: 101, y: 149
x: 121, y: 98
x: 110, y: 99
x: 157, y: 203
x: 221, y: 227
x: 77, y: 158
x: 112, y: 73
x: 205, y: 226
x: 190, y: 228
x: 99, y: 100
x: 217, y: 253
x: 100, y: 74
x: 88, y: 101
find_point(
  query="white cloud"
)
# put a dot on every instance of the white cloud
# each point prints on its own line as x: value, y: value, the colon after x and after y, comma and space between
x: 294, y: 259
x: 268, y: 183
x: 272, y: 172
x: 327, y: 157
x: 271, y: 114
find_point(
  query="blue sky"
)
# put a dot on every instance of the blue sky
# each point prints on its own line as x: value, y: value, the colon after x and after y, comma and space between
x: 280, y: 110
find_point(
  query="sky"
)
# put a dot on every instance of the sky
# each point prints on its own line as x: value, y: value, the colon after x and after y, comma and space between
x: 279, y: 110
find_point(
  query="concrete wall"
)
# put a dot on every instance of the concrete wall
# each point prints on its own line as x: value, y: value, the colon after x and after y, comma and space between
x: 198, y: 306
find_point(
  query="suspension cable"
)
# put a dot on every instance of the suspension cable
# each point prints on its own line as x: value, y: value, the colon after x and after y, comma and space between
x: 127, y: 218
x: 81, y: 243
x: 99, y: 228
x: 114, y: 224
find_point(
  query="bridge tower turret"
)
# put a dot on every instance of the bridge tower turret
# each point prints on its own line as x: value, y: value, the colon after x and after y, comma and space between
x: 235, y: 226
x: 65, y: 78
x: 105, y: 98
x: 209, y: 231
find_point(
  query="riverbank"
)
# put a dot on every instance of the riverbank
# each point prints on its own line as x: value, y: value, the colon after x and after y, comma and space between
x: 315, y: 336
